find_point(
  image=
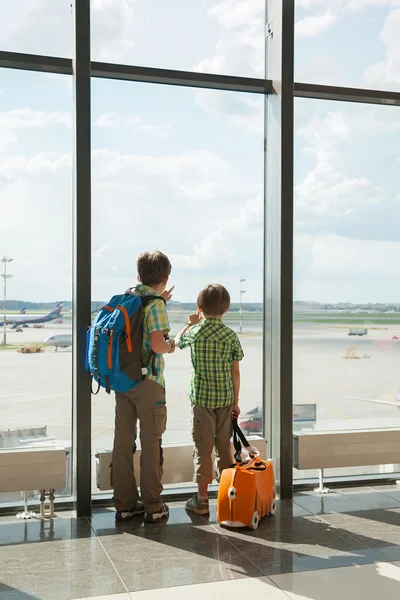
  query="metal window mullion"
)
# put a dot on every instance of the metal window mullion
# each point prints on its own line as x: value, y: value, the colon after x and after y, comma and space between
x: 63, y: 66
x: 278, y: 265
x: 346, y: 94
x: 35, y: 62
x: 82, y: 261
x: 182, y: 78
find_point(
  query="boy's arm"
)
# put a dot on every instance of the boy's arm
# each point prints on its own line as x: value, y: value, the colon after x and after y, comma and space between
x: 237, y: 356
x: 159, y: 344
x: 181, y: 333
x: 157, y: 325
x: 236, y: 386
x: 182, y: 341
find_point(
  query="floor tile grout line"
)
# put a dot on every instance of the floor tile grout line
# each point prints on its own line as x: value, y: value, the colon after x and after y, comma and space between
x: 225, y: 537
x: 263, y: 575
x: 302, y: 508
x: 349, y: 535
x: 388, y: 495
x: 113, y: 565
x: 109, y: 557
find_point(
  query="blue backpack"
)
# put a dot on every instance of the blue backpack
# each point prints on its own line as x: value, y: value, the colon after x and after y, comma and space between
x: 114, y: 344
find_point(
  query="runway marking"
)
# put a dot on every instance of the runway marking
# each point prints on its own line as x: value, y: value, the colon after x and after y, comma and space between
x: 332, y: 410
x: 102, y: 430
x: 176, y: 401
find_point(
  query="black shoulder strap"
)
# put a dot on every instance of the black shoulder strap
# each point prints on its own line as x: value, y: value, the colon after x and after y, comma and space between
x: 238, y: 440
x: 147, y: 299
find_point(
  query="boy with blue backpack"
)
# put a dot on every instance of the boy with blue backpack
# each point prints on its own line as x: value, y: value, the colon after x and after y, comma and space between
x: 125, y: 354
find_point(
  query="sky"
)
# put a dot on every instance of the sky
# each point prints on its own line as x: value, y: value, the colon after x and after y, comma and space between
x: 181, y: 169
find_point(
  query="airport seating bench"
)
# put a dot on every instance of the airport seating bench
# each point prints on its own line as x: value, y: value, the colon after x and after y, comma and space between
x: 178, y: 463
x: 327, y: 450
x: 28, y: 469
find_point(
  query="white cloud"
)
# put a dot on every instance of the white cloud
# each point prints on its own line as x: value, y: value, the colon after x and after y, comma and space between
x: 27, y: 118
x: 110, y: 120
x: 237, y: 13
x: 332, y: 254
x: 237, y: 110
x: 105, y: 120
x: 156, y: 130
x: 181, y: 170
x: 315, y: 25
x: 227, y: 245
x: 112, y: 27
x: 327, y: 13
x: 46, y: 27
x: 385, y: 74
x: 240, y: 49
x: 100, y: 251
x: 326, y: 190
x: 306, y: 4
x: 13, y: 167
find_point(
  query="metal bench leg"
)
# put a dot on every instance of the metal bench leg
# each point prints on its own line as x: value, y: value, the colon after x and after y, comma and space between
x: 47, y: 508
x: 26, y: 514
x: 321, y: 489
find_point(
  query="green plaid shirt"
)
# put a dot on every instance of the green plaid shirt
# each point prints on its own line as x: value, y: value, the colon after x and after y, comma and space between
x: 155, y: 319
x: 213, y: 347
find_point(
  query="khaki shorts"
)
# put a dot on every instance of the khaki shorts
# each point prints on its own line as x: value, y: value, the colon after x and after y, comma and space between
x: 212, y: 429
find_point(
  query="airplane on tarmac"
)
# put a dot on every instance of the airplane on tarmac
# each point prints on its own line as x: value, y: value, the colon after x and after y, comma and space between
x: 373, y: 401
x: 28, y: 319
x: 61, y: 340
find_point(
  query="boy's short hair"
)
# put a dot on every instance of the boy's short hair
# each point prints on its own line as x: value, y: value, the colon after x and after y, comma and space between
x: 153, y: 267
x: 214, y: 299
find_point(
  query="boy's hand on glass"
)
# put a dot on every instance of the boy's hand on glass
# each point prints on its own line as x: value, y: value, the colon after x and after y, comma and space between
x: 194, y: 319
x: 235, y: 410
x: 172, y: 342
x: 167, y: 294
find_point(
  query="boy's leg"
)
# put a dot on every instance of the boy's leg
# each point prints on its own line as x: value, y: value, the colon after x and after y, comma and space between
x: 203, y: 437
x: 152, y: 414
x: 204, y: 424
x: 123, y: 478
x: 223, y: 434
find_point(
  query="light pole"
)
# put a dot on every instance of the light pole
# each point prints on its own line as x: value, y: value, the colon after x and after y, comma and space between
x: 5, y: 276
x: 242, y: 291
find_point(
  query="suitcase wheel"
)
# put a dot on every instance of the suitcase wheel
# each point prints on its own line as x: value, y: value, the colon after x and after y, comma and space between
x: 232, y: 493
x: 273, y: 507
x: 254, y: 521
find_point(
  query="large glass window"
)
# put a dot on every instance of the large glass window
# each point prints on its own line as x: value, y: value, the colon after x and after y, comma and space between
x: 35, y: 232
x: 347, y: 251
x: 37, y: 27
x: 350, y: 43
x: 212, y: 36
x: 180, y: 170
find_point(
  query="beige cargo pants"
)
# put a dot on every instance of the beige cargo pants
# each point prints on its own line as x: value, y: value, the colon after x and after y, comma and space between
x: 212, y: 429
x: 145, y: 403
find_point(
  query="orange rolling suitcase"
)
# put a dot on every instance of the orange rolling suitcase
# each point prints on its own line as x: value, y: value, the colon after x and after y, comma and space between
x: 246, y: 491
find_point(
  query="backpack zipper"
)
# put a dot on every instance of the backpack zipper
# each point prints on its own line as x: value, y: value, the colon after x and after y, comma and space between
x: 127, y: 327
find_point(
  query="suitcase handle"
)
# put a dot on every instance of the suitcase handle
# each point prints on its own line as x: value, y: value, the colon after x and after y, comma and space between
x: 239, y: 439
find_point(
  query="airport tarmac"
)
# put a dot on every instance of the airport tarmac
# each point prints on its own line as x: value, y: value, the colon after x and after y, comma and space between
x: 36, y: 389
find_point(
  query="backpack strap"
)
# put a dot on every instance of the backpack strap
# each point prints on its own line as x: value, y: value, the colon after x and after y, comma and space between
x: 95, y: 363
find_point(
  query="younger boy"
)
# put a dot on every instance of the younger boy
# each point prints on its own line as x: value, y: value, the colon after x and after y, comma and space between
x: 146, y: 403
x: 214, y: 390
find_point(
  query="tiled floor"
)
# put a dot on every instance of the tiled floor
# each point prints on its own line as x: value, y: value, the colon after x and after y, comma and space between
x: 317, y: 547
